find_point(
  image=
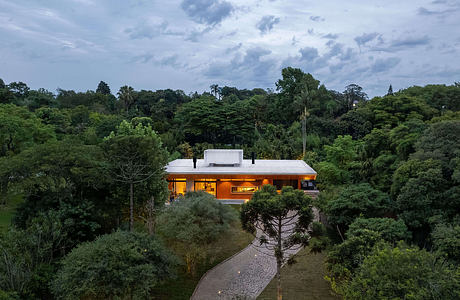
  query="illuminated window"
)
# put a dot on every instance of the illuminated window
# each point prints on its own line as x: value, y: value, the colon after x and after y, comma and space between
x: 177, y: 188
x: 241, y: 180
x: 208, y: 187
x: 244, y: 189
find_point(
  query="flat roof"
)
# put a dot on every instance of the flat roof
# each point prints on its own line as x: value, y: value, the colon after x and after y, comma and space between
x: 261, y: 167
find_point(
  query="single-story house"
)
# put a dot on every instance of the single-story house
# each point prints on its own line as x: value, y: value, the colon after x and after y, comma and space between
x: 226, y: 175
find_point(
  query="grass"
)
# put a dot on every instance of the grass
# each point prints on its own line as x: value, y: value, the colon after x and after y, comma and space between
x: 303, y: 280
x: 183, y: 286
x: 7, y: 211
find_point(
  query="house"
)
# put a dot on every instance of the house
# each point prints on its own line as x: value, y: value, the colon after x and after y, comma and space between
x: 232, y: 179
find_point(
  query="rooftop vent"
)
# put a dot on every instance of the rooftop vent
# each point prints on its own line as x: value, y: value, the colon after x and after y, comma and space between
x: 223, y: 157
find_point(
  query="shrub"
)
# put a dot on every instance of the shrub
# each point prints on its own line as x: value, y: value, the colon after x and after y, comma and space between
x: 117, y: 265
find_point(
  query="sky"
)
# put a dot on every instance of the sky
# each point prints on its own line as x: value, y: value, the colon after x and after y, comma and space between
x: 191, y: 44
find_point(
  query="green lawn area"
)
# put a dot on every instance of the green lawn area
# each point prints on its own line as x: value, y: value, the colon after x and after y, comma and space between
x: 303, y: 280
x: 184, y: 285
x: 7, y: 212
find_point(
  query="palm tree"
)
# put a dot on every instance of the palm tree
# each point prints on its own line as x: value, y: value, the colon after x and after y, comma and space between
x: 215, y: 90
x: 126, y: 94
x: 304, y: 101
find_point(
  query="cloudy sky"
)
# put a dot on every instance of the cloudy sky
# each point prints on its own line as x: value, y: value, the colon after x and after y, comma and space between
x: 191, y: 44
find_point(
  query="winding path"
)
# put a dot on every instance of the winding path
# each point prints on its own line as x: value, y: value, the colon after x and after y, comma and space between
x: 242, y: 276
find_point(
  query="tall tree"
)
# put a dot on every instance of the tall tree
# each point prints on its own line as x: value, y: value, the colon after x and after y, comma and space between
x: 126, y: 95
x: 136, y: 156
x: 282, y: 219
x: 390, y: 91
x: 354, y: 94
x: 103, y: 88
x: 216, y: 90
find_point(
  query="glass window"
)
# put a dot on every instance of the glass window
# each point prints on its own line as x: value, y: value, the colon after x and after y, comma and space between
x: 177, y: 188
x: 244, y: 189
x: 279, y: 183
x: 209, y: 187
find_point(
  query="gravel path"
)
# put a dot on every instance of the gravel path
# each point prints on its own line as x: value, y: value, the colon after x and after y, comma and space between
x: 243, y: 276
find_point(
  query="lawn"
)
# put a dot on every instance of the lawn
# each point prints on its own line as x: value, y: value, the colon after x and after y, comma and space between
x: 303, y: 280
x: 184, y: 285
x: 7, y: 212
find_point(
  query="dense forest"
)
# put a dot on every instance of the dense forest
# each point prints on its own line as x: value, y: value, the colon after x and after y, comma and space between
x: 388, y: 174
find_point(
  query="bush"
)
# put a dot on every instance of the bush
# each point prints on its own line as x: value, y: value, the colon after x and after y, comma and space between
x: 193, y: 222
x: 403, y: 273
x: 120, y: 265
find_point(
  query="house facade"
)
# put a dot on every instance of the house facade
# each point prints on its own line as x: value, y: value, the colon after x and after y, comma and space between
x: 230, y: 178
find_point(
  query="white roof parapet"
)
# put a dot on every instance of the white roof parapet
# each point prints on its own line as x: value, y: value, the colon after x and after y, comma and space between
x: 261, y: 167
x: 223, y: 157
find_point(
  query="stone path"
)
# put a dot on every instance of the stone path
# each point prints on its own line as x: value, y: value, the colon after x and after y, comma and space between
x: 243, y: 276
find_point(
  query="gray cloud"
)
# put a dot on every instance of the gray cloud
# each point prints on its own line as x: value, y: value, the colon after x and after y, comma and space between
x: 410, y: 42
x: 233, y: 49
x: 145, y: 30
x: 330, y: 36
x: 210, y: 12
x: 317, y: 18
x: 366, y: 38
x: 195, y: 35
x: 252, y: 67
x: 266, y: 23
x: 308, y: 53
x: 382, y: 65
x: 154, y: 39
x: 426, y: 12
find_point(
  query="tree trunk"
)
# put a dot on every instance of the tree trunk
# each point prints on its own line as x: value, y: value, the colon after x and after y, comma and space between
x: 131, y: 206
x: 3, y: 192
x: 304, y: 131
x: 279, y: 260
x: 278, y: 279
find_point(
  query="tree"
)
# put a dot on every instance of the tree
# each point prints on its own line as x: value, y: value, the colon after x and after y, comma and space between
x: 103, y: 88
x: 126, y: 96
x: 67, y: 177
x: 414, y: 274
x: 390, y: 91
x: 216, y: 90
x: 354, y: 94
x: 121, y: 265
x: 27, y: 256
x: 282, y: 219
x: 340, y: 165
x: 390, y: 230
x: 19, y: 130
x: 354, y: 201
x: 446, y: 239
x: 308, y: 90
x: 136, y: 156
x: 192, y: 223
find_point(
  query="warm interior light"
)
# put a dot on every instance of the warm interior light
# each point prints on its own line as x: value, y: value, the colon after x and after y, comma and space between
x: 242, y: 180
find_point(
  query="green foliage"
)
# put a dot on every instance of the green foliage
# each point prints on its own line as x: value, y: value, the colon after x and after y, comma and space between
x: 440, y: 96
x: 25, y: 267
x: 70, y: 181
x: 120, y: 265
x: 420, y: 202
x: 267, y: 210
x: 340, y: 164
x: 389, y: 229
x: 20, y: 129
x: 446, y: 239
x: 403, y: 273
x: 355, y: 201
x: 192, y: 223
x: 103, y: 88
x: 344, y: 258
